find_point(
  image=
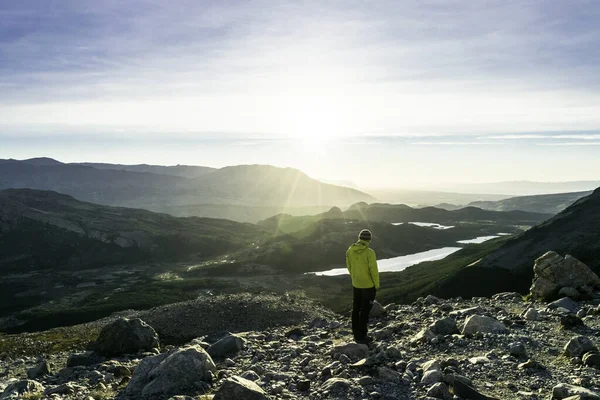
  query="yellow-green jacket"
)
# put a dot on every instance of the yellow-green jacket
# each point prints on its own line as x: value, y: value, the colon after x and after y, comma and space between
x: 362, y: 265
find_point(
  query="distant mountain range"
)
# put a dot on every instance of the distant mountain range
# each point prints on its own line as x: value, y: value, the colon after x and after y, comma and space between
x: 525, y: 188
x: 544, y: 203
x: 177, y: 188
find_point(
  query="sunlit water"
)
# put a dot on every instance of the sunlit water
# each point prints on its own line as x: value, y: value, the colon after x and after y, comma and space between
x: 396, y: 264
x: 427, y: 224
x: 478, y: 240
x: 400, y: 263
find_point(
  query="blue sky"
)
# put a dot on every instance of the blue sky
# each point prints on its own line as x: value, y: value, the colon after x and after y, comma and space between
x: 512, y: 87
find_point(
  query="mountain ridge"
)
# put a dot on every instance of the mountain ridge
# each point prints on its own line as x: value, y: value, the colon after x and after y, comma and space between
x: 249, y: 185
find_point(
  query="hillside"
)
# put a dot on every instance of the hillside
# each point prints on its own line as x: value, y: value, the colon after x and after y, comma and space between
x: 400, y: 213
x: 175, y: 187
x: 574, y: 231
x: 66, y: 261
x: 546, y: 203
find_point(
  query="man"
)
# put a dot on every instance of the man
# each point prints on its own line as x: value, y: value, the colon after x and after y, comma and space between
x: 362, y: 266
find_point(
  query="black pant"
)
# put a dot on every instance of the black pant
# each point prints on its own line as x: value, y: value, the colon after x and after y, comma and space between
x: 361, y: 307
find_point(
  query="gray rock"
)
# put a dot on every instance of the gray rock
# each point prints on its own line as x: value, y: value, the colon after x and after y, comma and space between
x: 377, y: 310
x: 563, y: 391
x: 439, y: 391
x: 570, y: 321
x: 238, y: 388
x: 64, y: 389
x: 517, y: 349
x: 38, y: 371
x: 553, y: 272
x: 430, y: 300
x: 508, y: 296
x: 251, y: 376
x: 430, y: 377
x: 445, y: 326
x: 16, y: 390
x: 303, y: 385
x: 532, y: 315
x: 482, y: 324
x: 186, y: 370
x: 227, y: 346
x: 432, y: 365
x: 591, y: 360
x: 126, y: 336
x: 336, y: 385
x: 389, y: 375
x: 366, y: 381
x: 424, y: 336
x: 577, y: 346
x: 569, y: 292
x: 352, y: 350
x: 466, y: 311
x: 466, y: 391
x: 566, y: 303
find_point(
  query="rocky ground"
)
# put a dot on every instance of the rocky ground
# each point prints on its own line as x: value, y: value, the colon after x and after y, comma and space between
x: 502, y: 347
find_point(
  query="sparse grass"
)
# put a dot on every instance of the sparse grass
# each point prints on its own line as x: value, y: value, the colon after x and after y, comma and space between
x: 99, y: 394
x: 32, y: 396
x: 48, y: 342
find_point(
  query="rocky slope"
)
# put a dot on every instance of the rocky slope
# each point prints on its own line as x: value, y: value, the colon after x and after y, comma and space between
x: 500, y: 347
x: 574, y: 231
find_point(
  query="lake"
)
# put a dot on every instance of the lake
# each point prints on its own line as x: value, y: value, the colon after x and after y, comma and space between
x: 426, y: 224
x: 400, y: 263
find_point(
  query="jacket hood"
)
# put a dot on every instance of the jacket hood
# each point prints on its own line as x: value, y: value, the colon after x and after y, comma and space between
x: 359, y: 246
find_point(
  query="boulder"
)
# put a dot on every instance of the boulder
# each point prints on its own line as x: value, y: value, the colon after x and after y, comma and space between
x: 531, y: 315
x: 591, y: 360
x: 570, y: 321
x: 432, y: 376
x: 377, y: 310
x: 424, y: 336
x: 352, y: 350
x: 228, y: 345
x: 517, y: 349
x: 237, y: 388
x: 566, y: 303
x: 569, y: 292
x: 39, y: 371
x: 563, y: 391
x: 445, y: 326
x: 466, y: 391
x: 553, y: 272
x: 187, y: 370
x: 430, y: 300
x: 482, y: 324
x: 17, y: 390
x: 439, y: 391
x: 578, y: 346
x: 336, y: 385
x: 126, y: 336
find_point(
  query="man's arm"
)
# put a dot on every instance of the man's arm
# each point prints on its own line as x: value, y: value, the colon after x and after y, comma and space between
x: 373, y: 270
x: 348, y: 263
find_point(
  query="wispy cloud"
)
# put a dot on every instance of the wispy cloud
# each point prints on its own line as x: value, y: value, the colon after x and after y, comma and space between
x: 288, y: 68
